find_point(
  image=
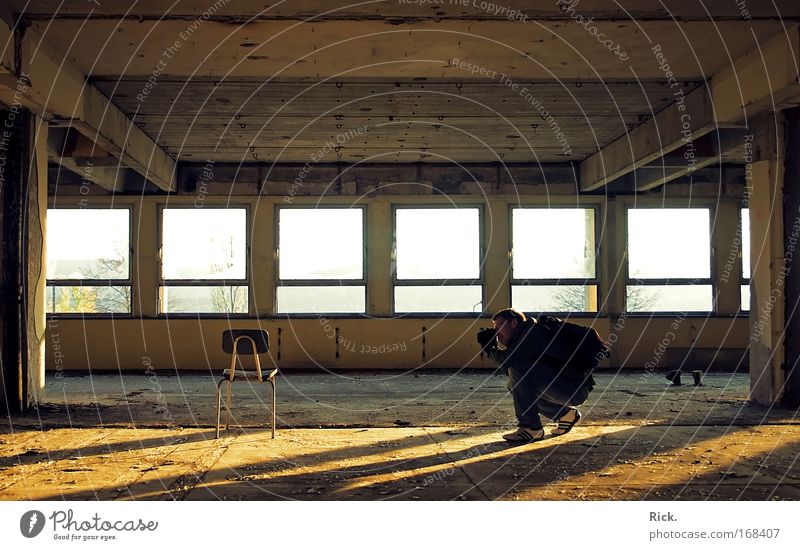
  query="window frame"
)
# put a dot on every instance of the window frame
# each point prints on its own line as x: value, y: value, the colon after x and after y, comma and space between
x: 162, y: 283
x: 278, y: 282
x: 672, y: 281
x: 565, y: 281
x: 98, y: 282
x: 480, y: 281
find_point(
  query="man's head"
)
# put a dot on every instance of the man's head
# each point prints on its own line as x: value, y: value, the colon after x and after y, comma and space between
x: 507, y: 323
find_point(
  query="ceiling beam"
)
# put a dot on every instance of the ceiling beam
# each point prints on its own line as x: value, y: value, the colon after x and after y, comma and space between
x: 764, y: 79
x: 376, y: 50
x: 650, y: 140
x: 668, y: 169
x: 58, y: 92
x: 761, y: 80
x: 64, y: 143
x: 442, y: 10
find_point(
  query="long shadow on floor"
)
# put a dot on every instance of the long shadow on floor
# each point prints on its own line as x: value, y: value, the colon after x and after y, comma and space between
x: 484, y: 470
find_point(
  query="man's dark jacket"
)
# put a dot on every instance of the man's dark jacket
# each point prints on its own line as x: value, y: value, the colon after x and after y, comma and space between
x: 530, y: 348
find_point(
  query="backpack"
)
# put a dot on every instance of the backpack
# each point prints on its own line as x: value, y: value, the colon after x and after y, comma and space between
x: 572, y: 345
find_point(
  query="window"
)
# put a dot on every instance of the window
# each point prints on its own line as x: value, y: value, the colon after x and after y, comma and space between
x: 745, y: 294
x: 88, y: 260
x: 669, y: 260
x: 553, y: 266
x: 321, y: 260
x: 437, y: 260
x: 204, y: 260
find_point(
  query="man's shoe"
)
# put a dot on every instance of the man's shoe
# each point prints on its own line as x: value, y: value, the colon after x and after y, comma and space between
x: 567, y: 422
x: 525, y: 435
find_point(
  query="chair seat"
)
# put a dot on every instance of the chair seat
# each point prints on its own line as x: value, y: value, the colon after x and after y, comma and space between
x: 249, y: 374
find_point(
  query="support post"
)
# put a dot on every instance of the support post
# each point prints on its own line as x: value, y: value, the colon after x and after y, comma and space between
x: 379, y: 258
x: 496, y: 256
x: 262, y: 265
x: 791, y: 242
x: 768, y: 267
x: 23, y: 195
x: 145, y: 268
x: 727, y: 244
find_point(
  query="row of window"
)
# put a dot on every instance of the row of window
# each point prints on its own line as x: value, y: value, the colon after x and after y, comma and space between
x: 436, y: 262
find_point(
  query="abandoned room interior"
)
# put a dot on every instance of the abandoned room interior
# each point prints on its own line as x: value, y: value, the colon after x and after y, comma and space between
x: 332, y: 198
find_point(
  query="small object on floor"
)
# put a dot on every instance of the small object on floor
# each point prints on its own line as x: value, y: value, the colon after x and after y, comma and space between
x: 524, y: 435
x: 567, y: 422
x: 698, y: 377
x: 674, y: 376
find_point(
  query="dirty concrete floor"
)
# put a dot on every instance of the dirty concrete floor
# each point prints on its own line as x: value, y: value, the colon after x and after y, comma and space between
x: 370, y: 436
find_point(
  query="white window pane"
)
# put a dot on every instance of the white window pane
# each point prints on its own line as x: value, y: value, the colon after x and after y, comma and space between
x: 746, y: 243
x: 207, y: 243
x: 657, y: 298
x: 554, y: 298
x: 204, y: 299
x: 438, y: 243
x: 553, y: 243
x: 322, y: 299
x: 321, y: 243
x: 745, y: 298
x: 669, y: 243
x: 88, y: 299
x: 88, y: 243
x: 438, y: 299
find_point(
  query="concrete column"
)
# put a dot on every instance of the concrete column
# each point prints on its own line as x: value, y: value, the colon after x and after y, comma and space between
x: 768, y: 270
x: 497, y: 255
x: 147, y: 261
x: 380, y: 267
x: 262, y: 259
x: 12, y: 333
x: 791, y: 242
x: 23, y: 195
x: 726, y: 241
x: 612, y: 239
x: 35, y: 233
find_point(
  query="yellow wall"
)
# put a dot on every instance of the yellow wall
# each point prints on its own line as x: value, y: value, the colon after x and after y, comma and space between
x: 131, y: 344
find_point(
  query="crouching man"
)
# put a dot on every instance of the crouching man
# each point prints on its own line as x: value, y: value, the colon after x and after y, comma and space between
x: 537, y: 382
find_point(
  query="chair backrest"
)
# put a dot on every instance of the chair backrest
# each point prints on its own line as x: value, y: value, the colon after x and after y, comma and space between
x: 244, y: 346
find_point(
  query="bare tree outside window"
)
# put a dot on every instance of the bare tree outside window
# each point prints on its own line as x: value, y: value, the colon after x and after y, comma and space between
x: 228, y: 299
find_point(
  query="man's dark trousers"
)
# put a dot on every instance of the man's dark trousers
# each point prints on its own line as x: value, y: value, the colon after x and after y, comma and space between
x: 541, y: 388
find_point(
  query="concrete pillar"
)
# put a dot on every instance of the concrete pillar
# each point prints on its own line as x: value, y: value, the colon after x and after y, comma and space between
x: 147, y: 261
x: 262, y: 259
x: 496, y: 256
x: 768, y: 269
x: 612, y: 239
x: 726, y: 241
x: 791, y: 242
x: 36, y: 283
x: 379, y: 259
x: 12, y: 328
x: 23, y: 194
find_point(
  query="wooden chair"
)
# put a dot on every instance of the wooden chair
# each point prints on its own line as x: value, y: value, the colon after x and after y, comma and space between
x: 244, y: 342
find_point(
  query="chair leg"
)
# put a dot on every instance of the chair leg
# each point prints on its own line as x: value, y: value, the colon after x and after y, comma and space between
x: 273, y: 408
x: 219, y: 405
x: 228, y: 416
